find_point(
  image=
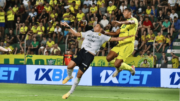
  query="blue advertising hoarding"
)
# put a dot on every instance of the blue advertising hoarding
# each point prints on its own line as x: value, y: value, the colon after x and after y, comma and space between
x: 145, y: 77
x: 13, y: 73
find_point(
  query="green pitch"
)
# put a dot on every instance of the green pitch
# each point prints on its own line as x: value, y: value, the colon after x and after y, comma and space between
x: 24, y: 92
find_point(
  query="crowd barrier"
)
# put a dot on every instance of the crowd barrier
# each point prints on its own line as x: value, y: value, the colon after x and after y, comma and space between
x: 94, y: 76
x: 58, y: 60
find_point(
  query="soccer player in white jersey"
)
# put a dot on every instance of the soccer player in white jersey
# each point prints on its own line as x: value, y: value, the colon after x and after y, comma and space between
x: 90, y: 46
x: 4, y: 49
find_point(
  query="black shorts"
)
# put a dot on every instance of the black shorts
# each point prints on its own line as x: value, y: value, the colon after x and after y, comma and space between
x: 10, y: 24
x: 83, y: 59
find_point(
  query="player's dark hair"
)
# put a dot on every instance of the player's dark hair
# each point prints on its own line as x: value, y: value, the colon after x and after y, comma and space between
x: 129, y: 9
x: 101, y: 25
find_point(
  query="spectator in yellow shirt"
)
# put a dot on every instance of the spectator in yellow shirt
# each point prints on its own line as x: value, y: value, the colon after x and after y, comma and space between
x: 40, y: 30
x: 22, y: 34
x: 50, y: 30
x: 54, y: 14
x: 100, y: 2
x: 47, y: 8
x: 50, y: 43
x: 72, y: 7
x: 93, y: 11
x: 79, y: 16
x: 143, y: 40
x: 159, y: 41
x: 9, y: 47
x: 66, y: 16
x: 167, y: 42
x: 111, y: 8
x: 175, y: 61
x: 150, y: 39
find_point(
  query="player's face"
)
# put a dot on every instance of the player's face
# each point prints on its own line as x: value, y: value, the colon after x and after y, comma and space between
x: 126, y: 13
x: 97, y: 28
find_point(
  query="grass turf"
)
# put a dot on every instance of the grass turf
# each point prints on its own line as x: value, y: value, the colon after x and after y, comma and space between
x: 27, y: 92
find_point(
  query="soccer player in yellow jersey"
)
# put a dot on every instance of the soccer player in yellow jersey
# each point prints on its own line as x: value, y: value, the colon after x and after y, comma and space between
x: 126, y: 47
x: 175, y: 61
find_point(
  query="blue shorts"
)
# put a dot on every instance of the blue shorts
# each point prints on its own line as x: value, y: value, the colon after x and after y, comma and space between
x: 2, y: 24
x: 149, y: 44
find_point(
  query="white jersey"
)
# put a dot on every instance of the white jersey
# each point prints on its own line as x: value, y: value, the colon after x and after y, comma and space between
x: 93, y: 41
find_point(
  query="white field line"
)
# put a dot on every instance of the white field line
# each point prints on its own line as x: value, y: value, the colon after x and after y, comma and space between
x: 121, y: 98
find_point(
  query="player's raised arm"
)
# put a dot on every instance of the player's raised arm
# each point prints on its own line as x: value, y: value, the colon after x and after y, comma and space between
x: 120, y: 38
x: 124, y: 22
x: 113, y: 33
x: 70, y: 29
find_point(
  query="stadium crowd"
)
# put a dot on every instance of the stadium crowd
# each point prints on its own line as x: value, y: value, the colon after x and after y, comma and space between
x: 39, y: 20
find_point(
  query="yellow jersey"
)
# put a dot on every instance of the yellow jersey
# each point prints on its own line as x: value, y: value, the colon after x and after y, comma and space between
x: 71, y: 8
x: 99, y: 3
x: 175, y: 62
x: 52, y: 15
x: 34, y: 29
x: 10, y: 15
x: 15, y: 9
x: 2, y: 17
x: 93, y: 9
x: 72, y: 19
x: 53, y: 2
x: 148, y: 37
x: 66, y: 18
x: 143, y: 38
x: 38, y: 1
x: 167, y: 40
x: 51, y: 30
x: 48, y: 9
x: 50, y: 43
x: 39, y: 29
x: 127, y: 30
x: 110, y: 9
x: 23, y: 30
x: 160, y: 39
x: 148, y: 11
x: 80, y: 16
x: 78, y: 3
x: 145, y: 65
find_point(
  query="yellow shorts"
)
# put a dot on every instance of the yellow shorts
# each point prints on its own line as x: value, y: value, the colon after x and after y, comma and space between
x: 123, y: 51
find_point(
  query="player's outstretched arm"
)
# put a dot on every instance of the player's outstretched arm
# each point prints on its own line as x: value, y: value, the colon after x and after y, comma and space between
x: 4, y: 50
x: 71, y: 30
x: 113, y: 33
x: 120, y: 38
x: 124, y: 22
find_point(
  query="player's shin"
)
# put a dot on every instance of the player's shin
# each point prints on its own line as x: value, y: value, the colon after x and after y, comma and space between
x: 76, y: 82
x: 125, y: 66
x: 69, y: 72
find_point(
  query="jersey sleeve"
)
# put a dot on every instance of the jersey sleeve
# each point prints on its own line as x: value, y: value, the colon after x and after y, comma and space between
x: 105, y: 38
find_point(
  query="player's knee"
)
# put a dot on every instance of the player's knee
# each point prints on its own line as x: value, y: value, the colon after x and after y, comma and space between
x: 108, y: 58
x: 117, y: 65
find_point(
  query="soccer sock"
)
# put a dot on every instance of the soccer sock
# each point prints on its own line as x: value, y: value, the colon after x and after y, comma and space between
x: 76, y: 82
x: 125, y: 66
x: 69, y: 72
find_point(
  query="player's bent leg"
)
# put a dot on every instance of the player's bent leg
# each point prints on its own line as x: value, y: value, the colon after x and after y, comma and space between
x: 117, y: 65
x: 70, y: 67
x: 76, y: 82
x: 111, y: 56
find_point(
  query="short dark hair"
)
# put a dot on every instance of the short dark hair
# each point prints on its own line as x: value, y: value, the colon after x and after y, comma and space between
x: 101, y: 25
x: 129, y: 9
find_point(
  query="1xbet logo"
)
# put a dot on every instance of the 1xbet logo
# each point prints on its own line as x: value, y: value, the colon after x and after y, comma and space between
x: 125, y: 77
x: 8, y: 73
x: 51, y: 74
x: 175, y: 78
